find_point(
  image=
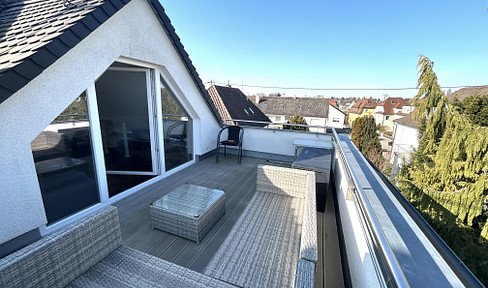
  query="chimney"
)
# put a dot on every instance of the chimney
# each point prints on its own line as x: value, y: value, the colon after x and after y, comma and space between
x: 228, y: 84
x: 258, y: 98
x: 295, y: 97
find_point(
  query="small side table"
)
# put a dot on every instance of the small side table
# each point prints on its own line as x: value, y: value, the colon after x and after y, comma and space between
x: 189, y: 211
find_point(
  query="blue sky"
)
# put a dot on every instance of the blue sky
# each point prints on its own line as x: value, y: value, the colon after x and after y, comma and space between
x: 333, y: 44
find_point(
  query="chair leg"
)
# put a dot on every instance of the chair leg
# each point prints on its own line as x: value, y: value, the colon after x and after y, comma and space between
x: 217, y: 157
x: 239, y: 155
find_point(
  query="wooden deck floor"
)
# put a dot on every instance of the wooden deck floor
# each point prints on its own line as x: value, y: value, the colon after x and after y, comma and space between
x: 239, y: 183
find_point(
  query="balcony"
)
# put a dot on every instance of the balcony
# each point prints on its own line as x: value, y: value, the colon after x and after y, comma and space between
x: 368, y: 235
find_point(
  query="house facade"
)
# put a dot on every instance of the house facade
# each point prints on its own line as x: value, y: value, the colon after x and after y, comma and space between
x: 89, y: 113
x: 406, y: 140
x: 390, y: 109
x: 315, y: 111
x: 361, y: 108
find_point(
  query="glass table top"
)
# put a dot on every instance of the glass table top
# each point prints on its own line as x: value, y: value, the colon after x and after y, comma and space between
x: 189, y: 200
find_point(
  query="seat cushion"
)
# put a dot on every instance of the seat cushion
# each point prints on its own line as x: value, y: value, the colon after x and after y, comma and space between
x: 126, y: 267
x: 262, y: 249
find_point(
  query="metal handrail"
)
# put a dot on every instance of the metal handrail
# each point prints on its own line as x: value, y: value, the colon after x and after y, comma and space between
x: 394, y: 270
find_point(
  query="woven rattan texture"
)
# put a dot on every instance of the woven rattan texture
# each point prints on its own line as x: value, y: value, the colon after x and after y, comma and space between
x: 126, y: 267
x: 193, y: 228
x: 58, y: 258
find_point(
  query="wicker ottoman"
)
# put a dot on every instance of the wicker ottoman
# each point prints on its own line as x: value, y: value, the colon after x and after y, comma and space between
x: 189, y: 211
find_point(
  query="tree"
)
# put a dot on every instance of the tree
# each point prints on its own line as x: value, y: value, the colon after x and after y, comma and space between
x: 364, y: 136
x: 357, y: 133
x: 475, y: 107
x: 446, y: 180
x: 297, y: 119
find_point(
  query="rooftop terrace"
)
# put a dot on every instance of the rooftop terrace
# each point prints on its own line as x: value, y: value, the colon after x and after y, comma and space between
x: 239, y: 183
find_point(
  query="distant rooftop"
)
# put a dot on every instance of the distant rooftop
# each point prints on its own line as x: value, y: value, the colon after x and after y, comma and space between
x: 466, y: 92
x: 362, y: 104
x: 408, y: 121
x: 392, y: 102
x: 231, y: 103
x: 289, y: 106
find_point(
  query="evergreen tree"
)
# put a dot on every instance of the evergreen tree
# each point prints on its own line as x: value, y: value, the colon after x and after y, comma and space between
x: 357, y: 133
x: 446, y: 179
x: 297, y: 119
x: 476, y: 109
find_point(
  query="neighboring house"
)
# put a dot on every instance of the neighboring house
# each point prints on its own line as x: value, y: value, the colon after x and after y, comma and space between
x: 316, y: 111
x: 461, y: 94
x: 134, y: 99
x: 390, y: 109
x: 406, y: 140
x: 361, y: 108
x: 231, y: 103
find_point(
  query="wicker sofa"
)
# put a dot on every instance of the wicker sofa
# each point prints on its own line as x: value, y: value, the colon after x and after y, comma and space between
x: 89, y: 254
x: 275, y: 236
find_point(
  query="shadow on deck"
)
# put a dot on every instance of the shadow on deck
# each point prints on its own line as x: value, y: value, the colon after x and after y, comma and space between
x: 239, y: 184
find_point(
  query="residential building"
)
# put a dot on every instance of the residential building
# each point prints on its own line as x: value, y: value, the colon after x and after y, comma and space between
x: 231, y: 103
x: 361, y: 108
x: 91, y: 111
x: 316, y: 111
x: 406, y: 140
x: 463, y: 93
x: 390, y: 109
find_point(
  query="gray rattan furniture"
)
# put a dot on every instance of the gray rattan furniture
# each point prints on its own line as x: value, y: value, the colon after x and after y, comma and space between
x: 88, y: 253
x: 274, y: 242
x: 189, y: 211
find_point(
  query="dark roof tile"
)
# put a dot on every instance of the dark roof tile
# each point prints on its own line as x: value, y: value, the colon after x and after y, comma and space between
x: 59, y: 28
x: 233, y: 104
x: 69, y: 38
x: 57, y: 47
x: 43, y: 58
x: 28, y: 70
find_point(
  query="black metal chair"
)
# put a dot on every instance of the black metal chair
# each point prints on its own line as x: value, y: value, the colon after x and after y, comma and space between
x: 234, y: 138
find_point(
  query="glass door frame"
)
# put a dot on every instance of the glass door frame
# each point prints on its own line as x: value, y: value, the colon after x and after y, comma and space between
x: 153, y: 137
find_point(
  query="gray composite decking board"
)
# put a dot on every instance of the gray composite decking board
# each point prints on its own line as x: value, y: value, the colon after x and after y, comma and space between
x: 206, y: 171
x: 319, y: 278
x: 331, y: 255
x: 239, y: 184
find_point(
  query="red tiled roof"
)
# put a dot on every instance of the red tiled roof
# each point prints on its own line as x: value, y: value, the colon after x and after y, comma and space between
x: 358, y: 107
x: 392, y: 102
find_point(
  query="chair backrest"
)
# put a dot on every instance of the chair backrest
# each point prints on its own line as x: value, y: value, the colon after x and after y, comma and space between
x: 234, y: 133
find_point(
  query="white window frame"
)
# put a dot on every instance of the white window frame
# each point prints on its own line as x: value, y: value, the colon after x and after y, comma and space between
x: 155, y: 109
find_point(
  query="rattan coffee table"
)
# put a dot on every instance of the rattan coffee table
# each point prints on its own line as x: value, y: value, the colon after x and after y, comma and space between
x: 189, y: 211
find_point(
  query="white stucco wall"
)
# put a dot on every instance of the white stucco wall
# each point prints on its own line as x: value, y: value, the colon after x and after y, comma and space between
x: 406, y: 139
x: 335, y: 113
x: 316, y: 121
x: 133, y: 32
x: 277, y: 141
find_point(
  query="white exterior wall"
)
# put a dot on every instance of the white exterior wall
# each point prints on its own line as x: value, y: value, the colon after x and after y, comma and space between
x: 316, y: 121
x: 133, y: 32
x: 335, y: 113
x: 277, y: 141
x: 406, y: 139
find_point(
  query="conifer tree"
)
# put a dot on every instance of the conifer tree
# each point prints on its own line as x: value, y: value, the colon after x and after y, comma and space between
x: 446, y: 179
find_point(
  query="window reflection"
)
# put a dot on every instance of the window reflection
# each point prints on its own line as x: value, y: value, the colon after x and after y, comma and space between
x: 64, y: 163
x: 178, y: 140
